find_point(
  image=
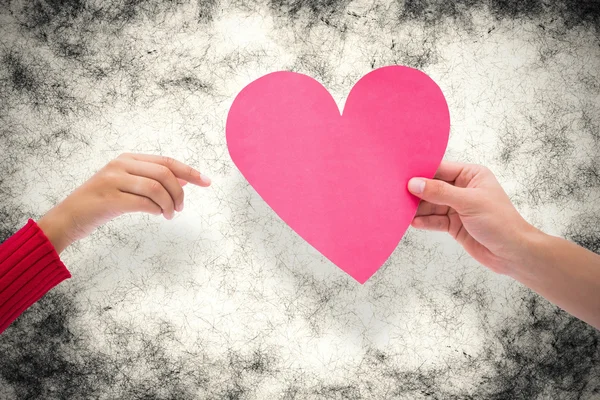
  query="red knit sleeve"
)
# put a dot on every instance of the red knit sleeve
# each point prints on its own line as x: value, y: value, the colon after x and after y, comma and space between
x: 29, y: 267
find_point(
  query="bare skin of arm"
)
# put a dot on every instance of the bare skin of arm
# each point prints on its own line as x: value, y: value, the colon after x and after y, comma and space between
x: 565, y: 274
x: 467, y: 201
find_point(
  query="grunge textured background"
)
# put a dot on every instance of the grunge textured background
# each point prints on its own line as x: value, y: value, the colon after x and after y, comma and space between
x: 225, y: 301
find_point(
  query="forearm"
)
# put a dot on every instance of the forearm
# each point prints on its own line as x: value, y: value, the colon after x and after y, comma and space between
x: 564, y: 273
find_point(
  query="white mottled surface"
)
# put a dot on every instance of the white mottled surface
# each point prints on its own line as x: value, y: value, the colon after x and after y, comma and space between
x: 225, y: 301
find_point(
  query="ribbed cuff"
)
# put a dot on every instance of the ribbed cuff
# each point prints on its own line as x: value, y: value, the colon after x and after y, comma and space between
x: 29, y: 268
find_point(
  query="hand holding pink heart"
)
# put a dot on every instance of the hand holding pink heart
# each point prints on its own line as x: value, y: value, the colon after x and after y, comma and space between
x: 340, y: 180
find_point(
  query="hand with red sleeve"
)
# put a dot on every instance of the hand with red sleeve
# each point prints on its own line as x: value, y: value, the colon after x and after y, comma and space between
x: 129, y: 183
x: 29, y: 260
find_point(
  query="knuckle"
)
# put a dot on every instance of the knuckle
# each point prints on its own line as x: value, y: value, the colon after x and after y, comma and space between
x: 108, y: 176
x: 115, y: 164
x: 471, y: 169
x: 148, y: 205
x: 190, y: 171
x: 167, y: 161
x: 164, y: 172
x: 478, y: 169
x: 154, y: 187
x: 485, y: 170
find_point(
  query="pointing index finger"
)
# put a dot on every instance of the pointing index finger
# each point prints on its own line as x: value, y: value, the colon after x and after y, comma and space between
x: 179, y: 169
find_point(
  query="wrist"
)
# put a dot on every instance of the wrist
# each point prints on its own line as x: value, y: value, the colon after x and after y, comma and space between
x: 56, y: 225
x: 533, y: 245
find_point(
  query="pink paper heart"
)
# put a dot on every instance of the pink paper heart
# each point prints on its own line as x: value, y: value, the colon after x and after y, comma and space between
x: 340, y: 180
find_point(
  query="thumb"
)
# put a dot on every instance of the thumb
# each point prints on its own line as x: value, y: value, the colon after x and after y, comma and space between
x: 440, y: 192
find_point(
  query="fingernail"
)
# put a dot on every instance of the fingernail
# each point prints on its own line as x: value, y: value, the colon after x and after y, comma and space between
x: 181, y: 206
x: 205, y: 179
x: 416, y: 185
